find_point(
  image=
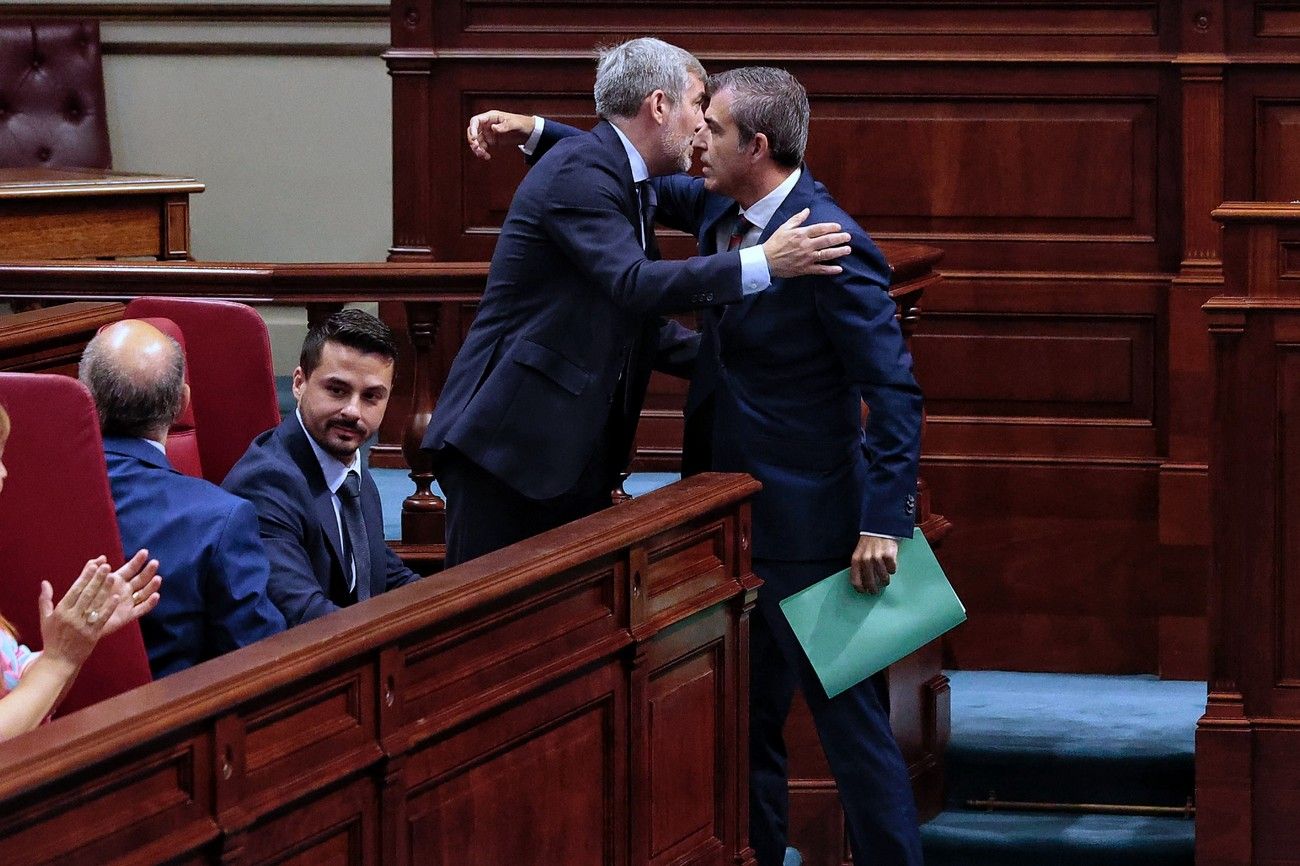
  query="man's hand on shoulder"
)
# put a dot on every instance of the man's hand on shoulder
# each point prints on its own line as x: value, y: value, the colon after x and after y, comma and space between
x: 874, y: 560
x: 488, y: 129
x: 796, y: 250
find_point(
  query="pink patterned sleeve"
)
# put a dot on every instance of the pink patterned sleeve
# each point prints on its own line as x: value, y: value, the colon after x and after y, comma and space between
x: 14, y: 660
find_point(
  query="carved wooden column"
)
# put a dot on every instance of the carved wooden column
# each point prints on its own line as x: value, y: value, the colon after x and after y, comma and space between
x: 1249, y: 739
x: 424, y: 514
x: 1184, y: 519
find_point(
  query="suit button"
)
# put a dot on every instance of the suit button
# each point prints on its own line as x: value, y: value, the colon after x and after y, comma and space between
x: 709, y: 296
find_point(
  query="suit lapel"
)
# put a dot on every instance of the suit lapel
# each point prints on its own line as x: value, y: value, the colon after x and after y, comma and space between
x: 322, y: 499
x: 800, y: 197
x: 631, y: 204
x: 716, y: 210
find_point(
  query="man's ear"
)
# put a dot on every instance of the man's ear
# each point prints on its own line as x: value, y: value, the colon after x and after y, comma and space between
x: 185, y: 398
x: 758, y: 147
x: 659, y: 105
x: 299, y: 383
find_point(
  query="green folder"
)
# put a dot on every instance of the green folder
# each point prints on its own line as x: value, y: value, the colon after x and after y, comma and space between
x: 848, y: 635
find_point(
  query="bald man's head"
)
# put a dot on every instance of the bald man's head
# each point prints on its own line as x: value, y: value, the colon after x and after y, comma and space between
x: 136, y: 374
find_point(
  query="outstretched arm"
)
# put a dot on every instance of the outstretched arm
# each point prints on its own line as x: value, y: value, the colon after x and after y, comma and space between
x: 491, y: 128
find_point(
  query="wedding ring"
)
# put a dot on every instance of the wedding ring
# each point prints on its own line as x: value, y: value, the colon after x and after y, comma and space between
x: 92, y: 616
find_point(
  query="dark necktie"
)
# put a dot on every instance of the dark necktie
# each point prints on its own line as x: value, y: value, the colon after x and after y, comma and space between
x: 648, y: 202
x: 738, y: 232
x: 356, y: 544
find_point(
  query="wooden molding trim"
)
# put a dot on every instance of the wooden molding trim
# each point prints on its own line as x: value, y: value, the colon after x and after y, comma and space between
x: 221, y: 12
x: 246, y: 49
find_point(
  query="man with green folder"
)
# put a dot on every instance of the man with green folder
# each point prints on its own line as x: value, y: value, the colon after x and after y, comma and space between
x: 777, y: 392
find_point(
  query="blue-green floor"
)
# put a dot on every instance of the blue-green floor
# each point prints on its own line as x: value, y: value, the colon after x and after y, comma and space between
x: 1066, y: 738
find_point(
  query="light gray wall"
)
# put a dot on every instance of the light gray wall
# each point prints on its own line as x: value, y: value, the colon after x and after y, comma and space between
x: 287, y: 119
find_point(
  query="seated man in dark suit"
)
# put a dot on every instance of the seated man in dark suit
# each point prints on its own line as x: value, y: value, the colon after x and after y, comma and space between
x: 318, y: 508
x: 204, y: 539
x: 777, y: 392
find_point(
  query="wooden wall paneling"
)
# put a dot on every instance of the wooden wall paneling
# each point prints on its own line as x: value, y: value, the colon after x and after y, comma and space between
x: 998, y: 167
x: 169, y: 786
x: 1263, y: 29
x: 803, y: 26
x: 1184, y: 520
x: 1053, y: 560
x: 541, y: 782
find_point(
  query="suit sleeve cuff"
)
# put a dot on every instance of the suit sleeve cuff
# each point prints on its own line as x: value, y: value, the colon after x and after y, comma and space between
x: 531, y: 144
x: 754, y: 275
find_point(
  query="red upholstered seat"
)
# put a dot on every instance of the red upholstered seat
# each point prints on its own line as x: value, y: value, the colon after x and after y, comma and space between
x: 230, y: 371
x: 56, y: 512
x: 182, y: 439
x: 52, y: 106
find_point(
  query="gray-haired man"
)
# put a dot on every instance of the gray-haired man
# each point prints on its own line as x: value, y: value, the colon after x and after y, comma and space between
x: 537, y: 416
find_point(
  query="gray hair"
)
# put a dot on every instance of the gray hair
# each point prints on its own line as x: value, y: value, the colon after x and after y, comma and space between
x: 627, y: 73
x: 128, y: 405
x: 770, y: 101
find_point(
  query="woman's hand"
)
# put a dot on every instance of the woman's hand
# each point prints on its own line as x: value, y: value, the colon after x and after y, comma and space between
x: 140, y: 575
x: 70, y: 629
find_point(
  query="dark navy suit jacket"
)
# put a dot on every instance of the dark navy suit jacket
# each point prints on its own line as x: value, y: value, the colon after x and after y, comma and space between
x: 280, y: 475
x: 205, y: 540
x: 571, y: 296
x: 788, y: 369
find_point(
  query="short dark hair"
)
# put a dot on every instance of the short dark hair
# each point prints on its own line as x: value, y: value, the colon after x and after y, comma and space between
x: 128, y: 406
x: 355, y: 329
x: 770, y: 101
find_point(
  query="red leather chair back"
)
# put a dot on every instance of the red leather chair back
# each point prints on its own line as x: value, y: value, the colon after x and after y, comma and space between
x: 231, y: 375
x: 52, y: 106
x: 182, y: 439
x: 56, y: 512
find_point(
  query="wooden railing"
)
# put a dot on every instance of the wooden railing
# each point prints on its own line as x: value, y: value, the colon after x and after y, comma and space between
x: 580, y: 697
x: 432, y: 304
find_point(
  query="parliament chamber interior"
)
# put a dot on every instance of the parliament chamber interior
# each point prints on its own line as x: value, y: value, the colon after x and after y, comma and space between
x: 1091, y: 221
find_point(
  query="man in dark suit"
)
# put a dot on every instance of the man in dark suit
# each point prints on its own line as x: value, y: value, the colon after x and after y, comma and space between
x: 204, y: 539
x: 536, y: 419
x: 318, y: 508
x: 777, y: 393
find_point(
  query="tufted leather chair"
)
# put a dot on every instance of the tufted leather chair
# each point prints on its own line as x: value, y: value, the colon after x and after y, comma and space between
x: 52, y: 106
x: 56, y: 512
x: 230, y: 371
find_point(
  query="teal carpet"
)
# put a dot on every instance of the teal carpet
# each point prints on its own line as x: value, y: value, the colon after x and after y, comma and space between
x: 1065, y: 738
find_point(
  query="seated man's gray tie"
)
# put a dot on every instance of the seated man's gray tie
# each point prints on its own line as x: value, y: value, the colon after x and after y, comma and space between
x: 356, y: 543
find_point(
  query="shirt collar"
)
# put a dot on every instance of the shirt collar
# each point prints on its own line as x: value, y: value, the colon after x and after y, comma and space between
x: 640, y: 171
x: 330, y: 466
x: 760, y: 212
x: 155, y: 443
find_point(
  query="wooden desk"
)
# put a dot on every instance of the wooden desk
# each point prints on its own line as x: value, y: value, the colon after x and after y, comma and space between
x: 75, y: 213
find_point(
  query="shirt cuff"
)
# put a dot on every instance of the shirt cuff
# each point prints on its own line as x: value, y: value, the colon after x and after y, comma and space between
x: 531, y: 144
x: 754, y: 275
x: 881, y: 535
